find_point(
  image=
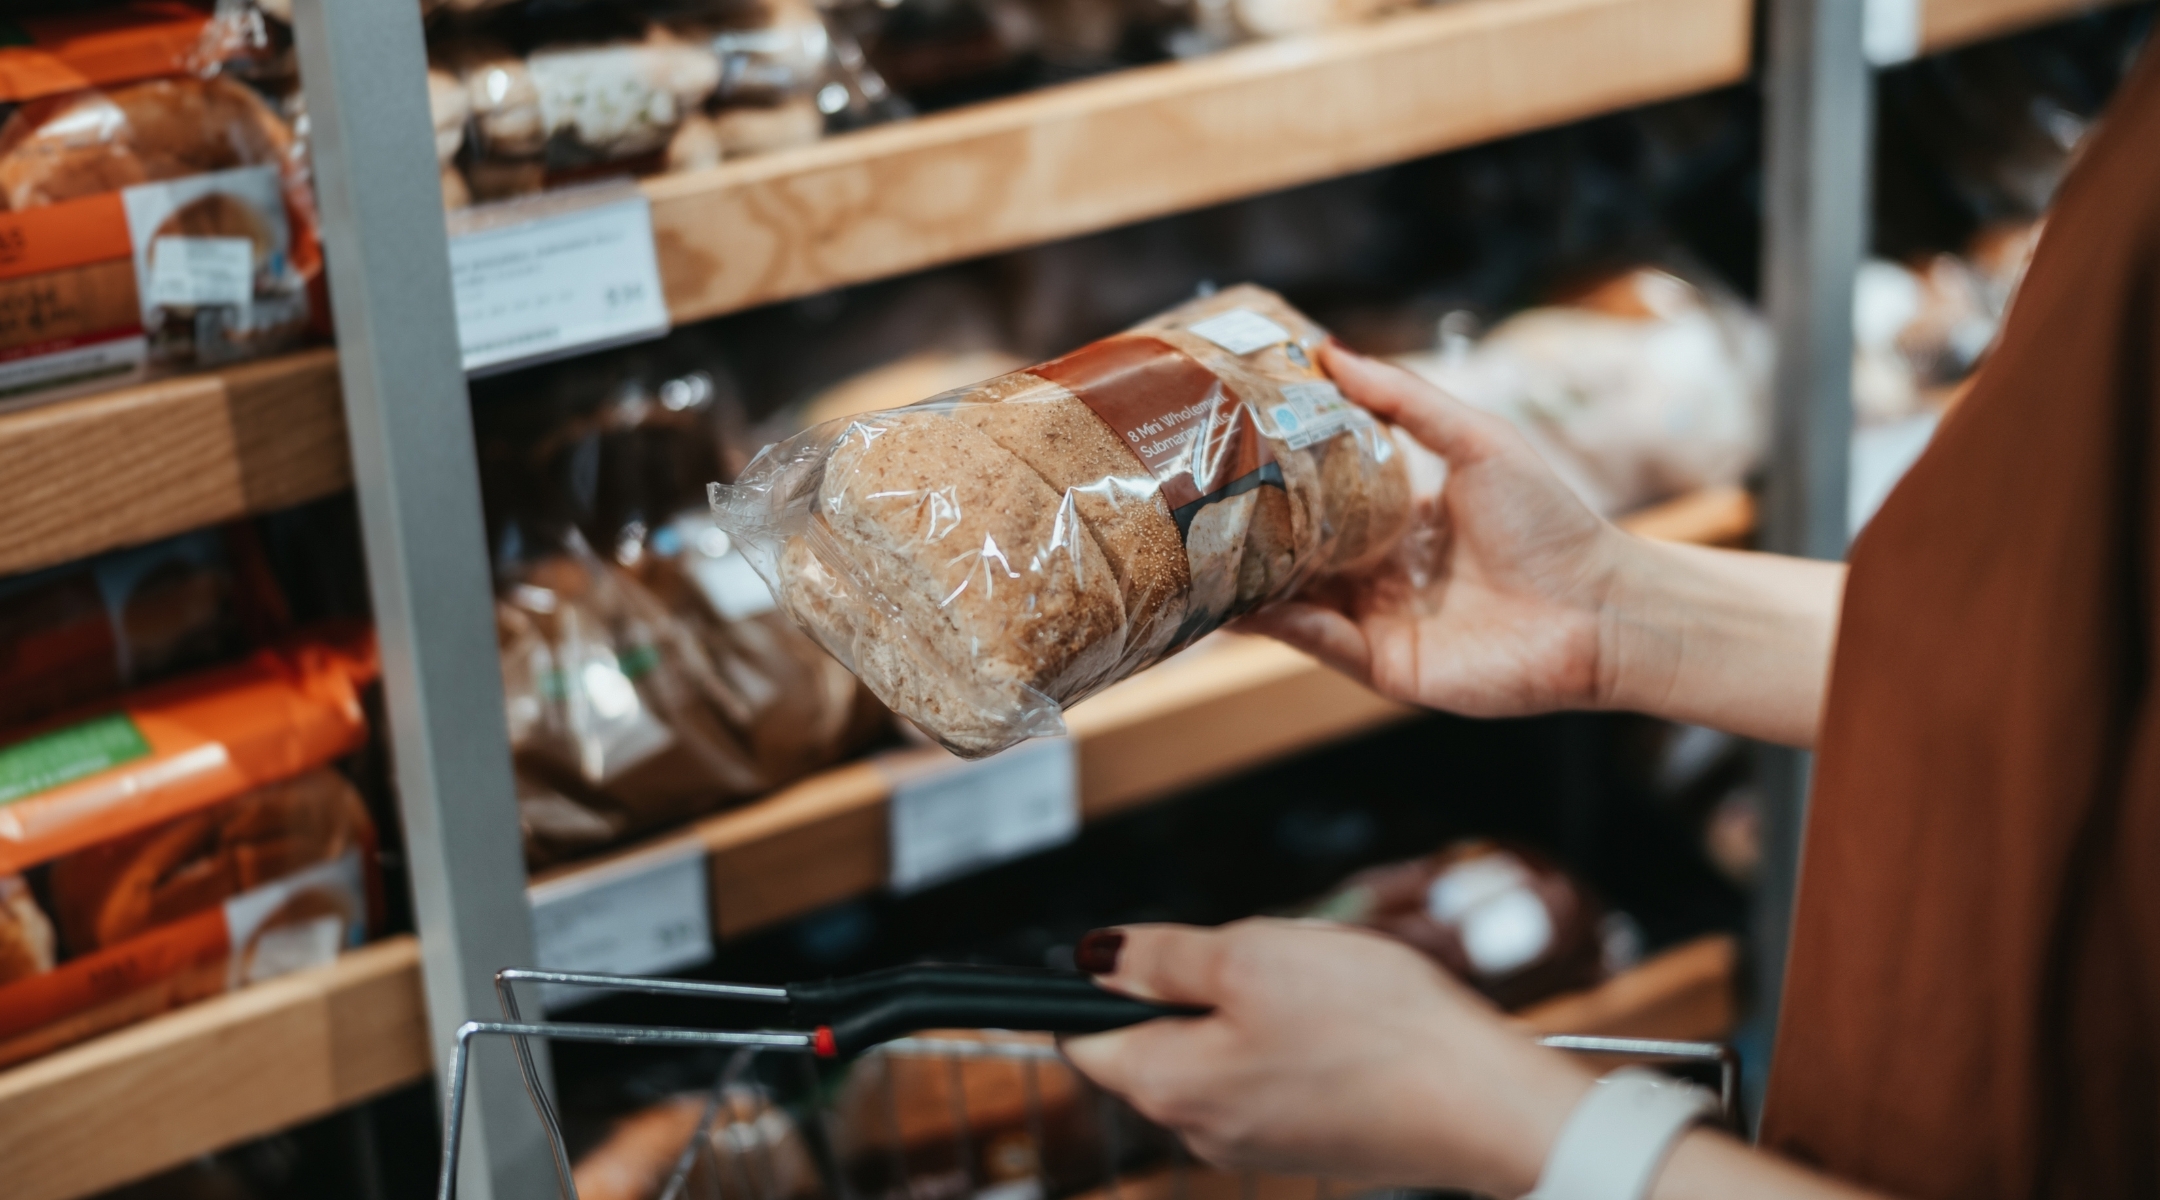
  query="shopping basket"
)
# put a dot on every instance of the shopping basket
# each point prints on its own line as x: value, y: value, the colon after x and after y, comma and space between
x: 775, y: 1125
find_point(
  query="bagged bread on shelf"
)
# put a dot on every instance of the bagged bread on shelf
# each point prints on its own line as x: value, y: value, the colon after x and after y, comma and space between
x: 986, y: 556
x: 577, y: 105
x: 173, y: 224
x: 173, y: 748
x: 629, y: 709
x: 91, y: 629
x: 278, y: 878
x: 1638, y: 388
x: 188, y: 840
x: 1501, y: 917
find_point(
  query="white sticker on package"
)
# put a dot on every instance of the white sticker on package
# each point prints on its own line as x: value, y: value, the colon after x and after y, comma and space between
x: 1241, y: 331
x: 207, y: 215
x: 302, y: 920
x: 1308, y: 413
x: 193, y: 271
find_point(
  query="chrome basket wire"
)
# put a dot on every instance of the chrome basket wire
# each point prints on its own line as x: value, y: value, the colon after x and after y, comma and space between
x: 722, y: 1123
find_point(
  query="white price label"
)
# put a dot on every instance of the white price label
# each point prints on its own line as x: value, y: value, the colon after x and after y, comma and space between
x: 1241, y: 331
x: 954, y: 817
x: 640, y: 915
x: 1890, y: 31
x: 556, y: 282
x: 187, y: 272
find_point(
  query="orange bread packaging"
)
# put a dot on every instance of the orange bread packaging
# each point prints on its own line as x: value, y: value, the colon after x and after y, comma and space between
x: 191, y: 839
x: 154, y: 213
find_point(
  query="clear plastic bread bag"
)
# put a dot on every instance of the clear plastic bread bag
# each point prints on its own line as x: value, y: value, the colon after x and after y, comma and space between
x: 987, y: 556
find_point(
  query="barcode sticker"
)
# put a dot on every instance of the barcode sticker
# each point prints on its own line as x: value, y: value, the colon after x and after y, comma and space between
x: 189, y: 272
x: 555, y: 282
x: 951, y: 817
x: 640, y: 915
x: 1308, y: 413
x: 1241, y: 331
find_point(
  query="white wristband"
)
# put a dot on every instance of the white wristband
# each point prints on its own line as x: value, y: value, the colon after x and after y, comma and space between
x: 1618, y: 1136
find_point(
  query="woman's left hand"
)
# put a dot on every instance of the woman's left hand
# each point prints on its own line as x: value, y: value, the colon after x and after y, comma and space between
x: 1331, y: 1051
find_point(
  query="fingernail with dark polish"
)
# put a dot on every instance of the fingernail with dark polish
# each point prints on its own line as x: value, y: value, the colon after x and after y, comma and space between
x: 1097, y: 953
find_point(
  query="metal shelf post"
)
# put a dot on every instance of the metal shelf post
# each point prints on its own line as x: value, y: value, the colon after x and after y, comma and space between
x: 410, y: 422
x: 1820, y: 110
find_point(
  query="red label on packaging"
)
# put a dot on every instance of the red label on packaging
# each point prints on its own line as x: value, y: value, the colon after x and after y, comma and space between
x: 1178, y: 418
x: 68, y: 234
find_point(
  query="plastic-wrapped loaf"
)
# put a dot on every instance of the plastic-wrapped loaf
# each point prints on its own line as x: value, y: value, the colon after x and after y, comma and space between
x: 986, y: 556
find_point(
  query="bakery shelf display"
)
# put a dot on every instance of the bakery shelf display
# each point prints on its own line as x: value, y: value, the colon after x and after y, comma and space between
x: 142, y: 462
x: 1155, y: 140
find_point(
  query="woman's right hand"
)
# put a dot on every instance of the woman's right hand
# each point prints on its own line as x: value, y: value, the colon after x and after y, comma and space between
x: 1539, y: 604
x: 1514, y: 624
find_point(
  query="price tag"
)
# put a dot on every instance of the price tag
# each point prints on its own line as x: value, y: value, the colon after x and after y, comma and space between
x: 644, y: 914
x: 565, y: 273
x: 951, y: 817
x: 1890, y: 31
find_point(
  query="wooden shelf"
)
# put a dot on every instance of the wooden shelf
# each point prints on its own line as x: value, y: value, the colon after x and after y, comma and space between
x: 139, y: 463
x: 1155, y: 140
x: 154, y: 1095
x: 1948, y: 24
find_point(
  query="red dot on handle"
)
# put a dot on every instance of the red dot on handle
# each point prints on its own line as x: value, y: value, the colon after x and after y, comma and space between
x: 822, y: 1042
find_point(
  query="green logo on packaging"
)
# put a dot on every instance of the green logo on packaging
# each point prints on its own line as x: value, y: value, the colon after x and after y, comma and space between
x: 65, y: 755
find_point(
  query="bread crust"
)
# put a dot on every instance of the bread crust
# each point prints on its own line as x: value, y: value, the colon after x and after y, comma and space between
x: 89, y: 142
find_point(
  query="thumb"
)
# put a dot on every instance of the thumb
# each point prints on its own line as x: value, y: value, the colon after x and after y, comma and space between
x: 1453, y: 430
x: 1320, y: 631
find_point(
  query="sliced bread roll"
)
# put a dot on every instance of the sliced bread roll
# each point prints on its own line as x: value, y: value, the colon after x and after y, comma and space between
x: 958, y: 584
x: 1053, y: 431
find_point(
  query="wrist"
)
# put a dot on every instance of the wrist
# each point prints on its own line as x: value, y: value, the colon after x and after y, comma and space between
x: 1638, y: 642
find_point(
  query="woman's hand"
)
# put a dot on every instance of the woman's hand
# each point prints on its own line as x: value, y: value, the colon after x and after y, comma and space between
x: 1331, y: 1051
x: 1513, y: 626
x: 1539, y: 604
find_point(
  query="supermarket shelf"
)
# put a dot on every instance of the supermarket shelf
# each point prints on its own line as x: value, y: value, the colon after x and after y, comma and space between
x: 152, y: 1096
x: 1226, y: 706
x: 138, y: 463
x: 270, y: 1056
x: 1948, y: 24
x: 1154, y: 140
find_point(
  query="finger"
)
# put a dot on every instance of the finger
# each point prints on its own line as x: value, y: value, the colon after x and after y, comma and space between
x: 1173, y: 964
x: 1322, y: 632
x: 1452, y: 429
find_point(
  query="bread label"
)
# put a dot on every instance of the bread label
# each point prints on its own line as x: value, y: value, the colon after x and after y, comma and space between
x: 1184, y: 424
x: 1240, y: 331
x: 192, y: 271
x: 65, y: 755
x: 1309, y: 413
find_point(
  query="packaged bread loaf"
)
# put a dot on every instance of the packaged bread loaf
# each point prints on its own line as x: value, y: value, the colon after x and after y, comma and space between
x: 986, y: 556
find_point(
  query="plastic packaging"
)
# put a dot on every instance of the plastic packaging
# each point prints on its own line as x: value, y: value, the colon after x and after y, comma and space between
x: 628, y: 711
x: 986, y: 556
x: 176, y: 748
x: 278, y: 878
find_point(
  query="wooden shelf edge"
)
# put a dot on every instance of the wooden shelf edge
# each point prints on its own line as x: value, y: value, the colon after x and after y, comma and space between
x: 138, y: 463
x: 151, y: 1096
x: 1949, y: 24
x: 1151, y: 141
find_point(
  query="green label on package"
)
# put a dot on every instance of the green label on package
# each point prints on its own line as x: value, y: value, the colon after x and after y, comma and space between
x: 66, y: 755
